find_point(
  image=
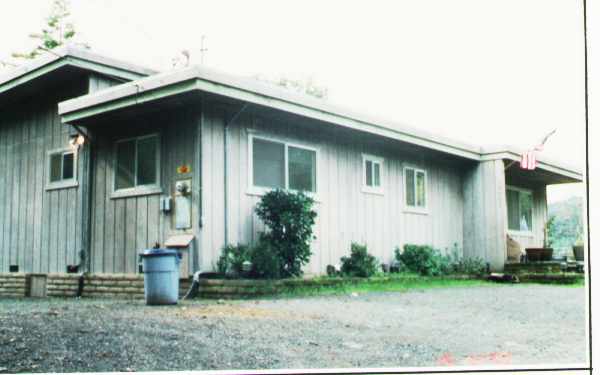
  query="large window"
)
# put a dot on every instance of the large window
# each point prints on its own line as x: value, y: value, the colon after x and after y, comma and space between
x: 62, y: 168
x: 137, y: 162
x: 372, y: 174
x: 519, y: 205
x: 415, y: 183
x: 282, y: 165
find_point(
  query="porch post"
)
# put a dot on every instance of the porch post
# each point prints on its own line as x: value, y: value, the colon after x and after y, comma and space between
x: 484, y: 213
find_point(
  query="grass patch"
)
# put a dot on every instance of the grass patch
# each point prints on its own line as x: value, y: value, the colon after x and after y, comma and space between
x: 388, y: 284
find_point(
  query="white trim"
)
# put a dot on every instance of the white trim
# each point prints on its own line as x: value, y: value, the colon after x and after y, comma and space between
x: 415, y: 209
x: 379, y: 190
x: 137, y: 189
x: 62, y: 183
x: 260, y: 190
x: 515, y: 232
x: 518, y: 233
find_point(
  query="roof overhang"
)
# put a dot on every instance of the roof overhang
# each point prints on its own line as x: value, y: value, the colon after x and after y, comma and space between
x: 73, y: 57
x: 204, y: 80
x: 196, y: 79
x: 553, y: 171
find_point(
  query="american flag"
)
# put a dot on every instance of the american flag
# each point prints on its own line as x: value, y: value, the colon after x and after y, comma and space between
x: 528, y: 157
x: 528, y: 160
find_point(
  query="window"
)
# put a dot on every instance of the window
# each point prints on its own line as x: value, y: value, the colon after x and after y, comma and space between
x: 372, y: 174
x: 137, y: 162
x: 281, y: 165
x: 415, y: 183
x: 519, y: 205
x: 62, y: 168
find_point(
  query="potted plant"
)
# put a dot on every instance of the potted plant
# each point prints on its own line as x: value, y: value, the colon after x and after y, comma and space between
x: 540, y: 254
x: 578, y: 248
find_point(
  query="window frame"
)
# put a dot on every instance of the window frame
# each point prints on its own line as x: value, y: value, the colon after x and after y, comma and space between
x: 62, y: 183
x: 522, y: 233
x: 415, y: 209
x: 261, y: 190
x: 379, y: 190
x: 137, y: 190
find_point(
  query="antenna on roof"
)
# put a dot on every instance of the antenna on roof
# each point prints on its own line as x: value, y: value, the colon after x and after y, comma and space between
x: 202, y: 49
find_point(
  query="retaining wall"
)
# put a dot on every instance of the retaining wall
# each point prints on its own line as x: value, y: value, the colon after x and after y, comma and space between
x: 65, y: 285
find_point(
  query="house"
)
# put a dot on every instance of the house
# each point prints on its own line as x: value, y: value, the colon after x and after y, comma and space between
x: 100, y: 158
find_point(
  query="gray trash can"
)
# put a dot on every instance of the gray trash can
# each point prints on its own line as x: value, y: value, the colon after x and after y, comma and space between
x: 161, y: 276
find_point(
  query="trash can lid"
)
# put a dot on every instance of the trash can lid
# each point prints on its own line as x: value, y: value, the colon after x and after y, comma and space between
x: 159, y: 252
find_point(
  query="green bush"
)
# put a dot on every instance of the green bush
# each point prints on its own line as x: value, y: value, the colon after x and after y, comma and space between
x: 466, y: 266
x: 265, y: 260
x: 360, y: 263
x: 289, y: 217
x: 231, y: 259
x: 424, y: 260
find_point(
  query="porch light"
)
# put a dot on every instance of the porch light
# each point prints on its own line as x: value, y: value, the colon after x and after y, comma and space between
x: 76, y: 141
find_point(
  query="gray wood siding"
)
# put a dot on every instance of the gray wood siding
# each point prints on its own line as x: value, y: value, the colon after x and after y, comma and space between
x: 484, y: 218
x: 121, y: 227
x: 39, y: 228
x: 345, y: 212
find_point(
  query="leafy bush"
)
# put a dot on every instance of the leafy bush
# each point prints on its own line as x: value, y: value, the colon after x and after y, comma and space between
x: 466, y: 266
x: 290, y: 218
x: 360, y: 263
x: 424, y: 260
x: 231, y: 259
x: 469, y: 266
x: 265, y: 260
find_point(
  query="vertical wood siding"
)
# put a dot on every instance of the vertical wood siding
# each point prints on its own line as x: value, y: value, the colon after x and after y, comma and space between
x: 121, y: 227
x: 345, y: 213
x: 39, y: 228
x: 484, y: 215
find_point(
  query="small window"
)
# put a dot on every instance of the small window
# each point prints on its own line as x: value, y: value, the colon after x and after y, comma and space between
x: 62, y: 168
x: 302, y: 169
x: 519, y: 205
x: 372, y: 178
x: 415, y: 182
x: 136, y: 162
x: 279, y: 165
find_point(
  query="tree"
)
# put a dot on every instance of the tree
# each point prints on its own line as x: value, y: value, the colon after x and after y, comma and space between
x: 56, y: 32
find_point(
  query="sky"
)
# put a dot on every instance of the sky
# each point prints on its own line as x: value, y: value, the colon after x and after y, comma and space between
x: 480, y: 71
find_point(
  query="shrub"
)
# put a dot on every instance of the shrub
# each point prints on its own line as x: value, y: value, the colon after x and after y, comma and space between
x: 290, y: 218
x: 265, y: 260
x: 231, y: 259
x: 360, y: 263
x: 424, y: 260
x: 466, y: 266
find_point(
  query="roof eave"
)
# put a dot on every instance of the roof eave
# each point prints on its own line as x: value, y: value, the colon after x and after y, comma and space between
x: 68, y: 56
x: 569, y: 172
x: 154, y: 88
x: 196, y: 79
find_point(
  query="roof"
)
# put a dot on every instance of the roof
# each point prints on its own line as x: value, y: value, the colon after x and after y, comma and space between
x: 248, y: 90
x: 71, y: 56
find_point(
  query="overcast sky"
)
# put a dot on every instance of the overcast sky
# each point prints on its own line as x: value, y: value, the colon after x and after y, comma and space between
x: 481, y: 71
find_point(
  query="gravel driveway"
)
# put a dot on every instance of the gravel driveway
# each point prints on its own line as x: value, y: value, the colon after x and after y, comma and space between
x: 483, y: 325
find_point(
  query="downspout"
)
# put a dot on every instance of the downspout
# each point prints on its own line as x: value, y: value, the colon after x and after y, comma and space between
x: 86, y: 210
x: 225, y: 172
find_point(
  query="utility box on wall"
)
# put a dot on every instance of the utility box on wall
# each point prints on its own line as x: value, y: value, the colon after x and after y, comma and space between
x: 183, y: 204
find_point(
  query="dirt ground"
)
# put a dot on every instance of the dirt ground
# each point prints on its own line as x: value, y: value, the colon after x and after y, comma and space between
x: 485, y: 325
